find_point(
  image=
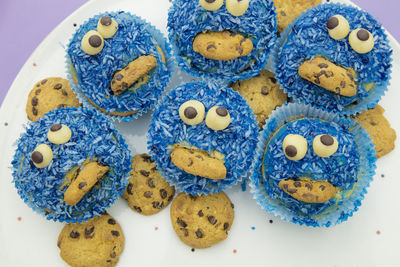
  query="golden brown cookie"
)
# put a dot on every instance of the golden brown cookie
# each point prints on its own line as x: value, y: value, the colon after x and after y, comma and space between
x: 332, y: 77
x: 222, y: 45
x: 262, y: 93
x: 378, y: 127
x: 95, y: 243
x: 147, y: 192
x: 288, y: 10
x: 198, y: 162
x: 49, y: 94
x: 135, y: 70
x: 202, y: 221
x: 85, y: 180
x: 309, y: 191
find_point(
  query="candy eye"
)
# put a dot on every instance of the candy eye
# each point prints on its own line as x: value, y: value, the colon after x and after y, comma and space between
x: 338, y: 27
x: 218, y: 118
x: 42, y: 156
x: 92, y: 43
x: 237, y: 7
x: 211, y: 5
x: 59, y: 134
x: 325, y: 145
x: 294, y: 147
x: 192, y: 112
x: 107, y: 27
x: 361, y: 41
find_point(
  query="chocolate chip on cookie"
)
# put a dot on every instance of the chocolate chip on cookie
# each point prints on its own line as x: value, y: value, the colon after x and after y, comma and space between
x: 202, y: 221
x: 147, y: 192
x: 46, y: 96
x: 97, y: 242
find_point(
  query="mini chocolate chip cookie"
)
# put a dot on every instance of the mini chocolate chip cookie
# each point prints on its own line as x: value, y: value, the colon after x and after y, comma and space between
x: 202, y: 221
x: 147, y: 192
x: 378, y: 127
x: 95, y: 243
x: 288, y: 10
x: 262, y: 93
x: 49, y: 94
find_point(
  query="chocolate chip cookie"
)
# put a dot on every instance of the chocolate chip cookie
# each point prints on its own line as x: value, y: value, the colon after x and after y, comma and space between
x: 147, y: 192
x: 49, y: 94
x: 262, y: 93
x: 288, y: 10
x: 378, y: 127
x: 202, y: 221
x: 95, y: 243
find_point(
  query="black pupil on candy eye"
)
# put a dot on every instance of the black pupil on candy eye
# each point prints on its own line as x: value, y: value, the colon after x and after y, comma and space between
x: 94, y: 41
x: 37, y: 157
x: 332, y: 23
x: 55, y: 127
x: 210, y: 1
x: 363, y: 35
x: 291, y: 151
x: 190, y: 112
x: 327, y: 140
x: 105, y: 21
x: 222, y: 111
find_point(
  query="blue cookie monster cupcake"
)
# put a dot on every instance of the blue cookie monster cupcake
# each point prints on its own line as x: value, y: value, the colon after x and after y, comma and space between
x: 312, y: 167
x: 335, y: 57
x: 71, y: 165
x: 119, y: 64
x: 202, y: 137
x: 226, y: 41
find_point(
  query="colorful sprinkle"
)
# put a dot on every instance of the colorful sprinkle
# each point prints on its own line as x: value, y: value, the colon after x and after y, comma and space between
x: 234, y: 251
x: 378, y: 232
x: 382, y: 175
x: 155, y: 228
x: 253, y: 228
x: 34, y: 64
x: 19, y: 219
x: 6, y: 124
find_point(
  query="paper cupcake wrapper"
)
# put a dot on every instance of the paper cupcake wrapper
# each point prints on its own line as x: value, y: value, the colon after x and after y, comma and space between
x: 352, y: 109
x: 334, y: 214
x: 170, y: 62
x: 96, y: 202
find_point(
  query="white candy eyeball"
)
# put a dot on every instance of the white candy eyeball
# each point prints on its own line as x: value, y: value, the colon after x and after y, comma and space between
x: 42, y: 156
x: 192, y: 112
x: 338, y: 27
x: 107, y: 27
x: 218, y: 118
x: 59, y: 134
x: 325, y: 145
x: 92, y: 43
x: 361, y: 41
x: 237, y: 7
x: 211, y: 5
x: 294, y: 147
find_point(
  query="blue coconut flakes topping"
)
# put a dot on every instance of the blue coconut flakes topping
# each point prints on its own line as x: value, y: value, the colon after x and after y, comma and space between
x: 340, y: 169
x: 93, y: 136
x: 187, y: 18
x: 309, y: 37
x: 134, y: 38
x: 237, y: 142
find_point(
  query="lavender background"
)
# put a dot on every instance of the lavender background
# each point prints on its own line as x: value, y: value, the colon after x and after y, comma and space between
x: 25, y: 23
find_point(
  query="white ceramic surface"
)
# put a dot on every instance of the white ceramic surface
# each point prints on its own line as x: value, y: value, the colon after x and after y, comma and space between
x: 370, y: 238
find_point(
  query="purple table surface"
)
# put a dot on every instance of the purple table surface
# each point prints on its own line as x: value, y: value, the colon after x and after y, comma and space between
x: 25, y: 23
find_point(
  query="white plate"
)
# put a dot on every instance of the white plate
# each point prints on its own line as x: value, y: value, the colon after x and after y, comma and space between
x: 27, y: 239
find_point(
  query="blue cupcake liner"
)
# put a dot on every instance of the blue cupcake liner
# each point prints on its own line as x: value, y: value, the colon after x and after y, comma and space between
x: 224, y: 75
x: 92, y: 136
x: 170, y: 66
x: 236, y: 142
x: 368, y: 102
x: 351, y: 198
